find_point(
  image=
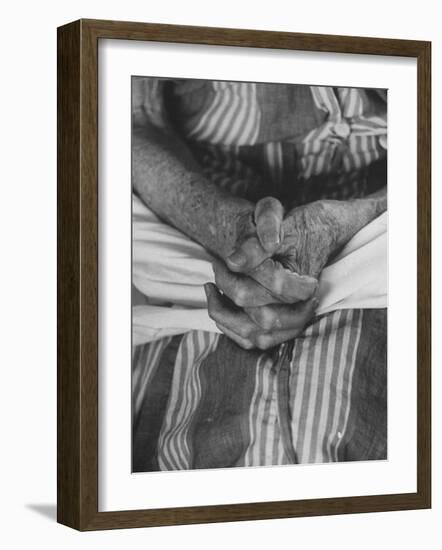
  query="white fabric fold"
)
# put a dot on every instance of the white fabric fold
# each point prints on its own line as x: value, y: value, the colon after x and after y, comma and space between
x: 170, y: 270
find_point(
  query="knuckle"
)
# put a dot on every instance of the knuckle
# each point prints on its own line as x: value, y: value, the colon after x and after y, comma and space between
x: 246, y: 331
x: 240, y: 296
x: 247, y: 345
x: 266, y: 318
x: 278, y: 283
x: 263, y: 342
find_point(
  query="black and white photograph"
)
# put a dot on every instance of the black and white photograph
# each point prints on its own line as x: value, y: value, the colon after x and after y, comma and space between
x: 259, y: 274
x: 219, y: 253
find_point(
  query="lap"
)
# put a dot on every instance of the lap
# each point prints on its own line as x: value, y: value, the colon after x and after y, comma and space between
x: 200, y: 401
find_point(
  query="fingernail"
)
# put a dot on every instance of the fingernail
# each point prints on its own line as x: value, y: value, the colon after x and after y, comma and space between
x: 237, y: 258
x: 206, y: 289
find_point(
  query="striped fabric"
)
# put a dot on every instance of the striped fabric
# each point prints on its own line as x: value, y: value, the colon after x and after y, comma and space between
x: 335, y: 155
x: 145, y: 361
x: 274, y: 158
x: 348, y: 140
x: 233, y: 117
x: 174, y: 446
x: 298, y: 404
x: 265, y: 444
x: 225, y: 167
x: 321, y: 374
x: 291, y: 141
x: 267, y: 169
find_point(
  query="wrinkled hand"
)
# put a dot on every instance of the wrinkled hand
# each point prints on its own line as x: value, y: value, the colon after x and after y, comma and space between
x: 268, y: 300
x: 266, y: 251
x: 260, y: 327
x: 301, y: 244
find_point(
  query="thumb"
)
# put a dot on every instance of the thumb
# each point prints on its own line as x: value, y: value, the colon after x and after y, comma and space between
x: 247, y: 256
x: 269, y: 214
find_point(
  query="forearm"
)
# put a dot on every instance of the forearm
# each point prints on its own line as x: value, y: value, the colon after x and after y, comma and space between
x: 346, y: 218
x: 170, y: 182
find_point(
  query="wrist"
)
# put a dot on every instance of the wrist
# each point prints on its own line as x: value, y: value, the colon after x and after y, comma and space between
x: 310, y: 237
x: 232, y: 223
x: 345, y: 218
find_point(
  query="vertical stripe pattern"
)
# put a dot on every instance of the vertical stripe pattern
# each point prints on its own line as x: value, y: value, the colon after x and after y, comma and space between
x: 174, y: 447
x: 321, y: 374
x: 274, y: 160
x: 265, y: 442
x: 300, y: 417
x: 145, y: 361
x: 233, y: 117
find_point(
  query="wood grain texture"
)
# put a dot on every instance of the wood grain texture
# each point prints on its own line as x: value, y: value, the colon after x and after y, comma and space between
x: 424, y: 274
x: 252, y: 38
x: 77, y: 166
x: 68, y: 276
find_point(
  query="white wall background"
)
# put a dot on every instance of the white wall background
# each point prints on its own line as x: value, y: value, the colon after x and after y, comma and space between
x: 28, y: 275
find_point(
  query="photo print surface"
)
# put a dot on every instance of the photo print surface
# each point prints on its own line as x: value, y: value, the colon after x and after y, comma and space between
x: 259, y: 274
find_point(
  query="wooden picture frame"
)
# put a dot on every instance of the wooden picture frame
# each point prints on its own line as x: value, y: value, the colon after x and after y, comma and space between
x: 78, y: 274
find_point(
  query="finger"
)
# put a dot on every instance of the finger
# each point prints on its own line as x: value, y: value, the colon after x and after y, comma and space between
x: 242, y: 290
x: 223, y: 312
x: 233, y: 324
x: 282, y: 283
x: 247, y: 255
x: 242, y: 342
x: 260, y: 340
x: 267, y: 340
x: 269, y: 213
x: 283, y: 317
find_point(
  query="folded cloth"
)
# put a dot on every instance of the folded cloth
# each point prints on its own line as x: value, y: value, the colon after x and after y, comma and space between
x: 170, y: 269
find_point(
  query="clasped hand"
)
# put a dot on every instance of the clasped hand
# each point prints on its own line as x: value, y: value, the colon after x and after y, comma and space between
x: 265, y: 291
